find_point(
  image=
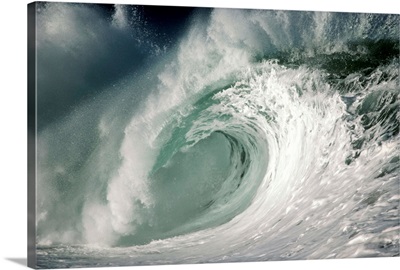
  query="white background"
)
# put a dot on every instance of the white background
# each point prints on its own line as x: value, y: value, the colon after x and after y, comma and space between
x: 13, y: 132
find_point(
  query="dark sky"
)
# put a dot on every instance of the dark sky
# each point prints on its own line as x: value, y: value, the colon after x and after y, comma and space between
x: 166, y: 19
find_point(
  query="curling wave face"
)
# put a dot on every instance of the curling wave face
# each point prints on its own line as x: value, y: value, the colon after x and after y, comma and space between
x: 264, y: 135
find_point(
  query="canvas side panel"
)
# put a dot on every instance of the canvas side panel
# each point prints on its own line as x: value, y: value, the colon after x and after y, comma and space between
x: 32, y: 135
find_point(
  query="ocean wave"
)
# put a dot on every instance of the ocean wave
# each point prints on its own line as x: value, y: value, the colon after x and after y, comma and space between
x: 262, y: 135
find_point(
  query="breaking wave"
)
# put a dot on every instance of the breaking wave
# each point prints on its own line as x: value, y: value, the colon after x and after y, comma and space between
x: 262, y: 135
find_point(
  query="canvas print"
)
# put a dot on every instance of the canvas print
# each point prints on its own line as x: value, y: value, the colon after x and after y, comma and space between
x: 171, y: 135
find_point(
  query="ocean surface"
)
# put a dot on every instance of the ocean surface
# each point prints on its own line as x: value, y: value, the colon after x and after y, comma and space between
x: 194, y: 135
